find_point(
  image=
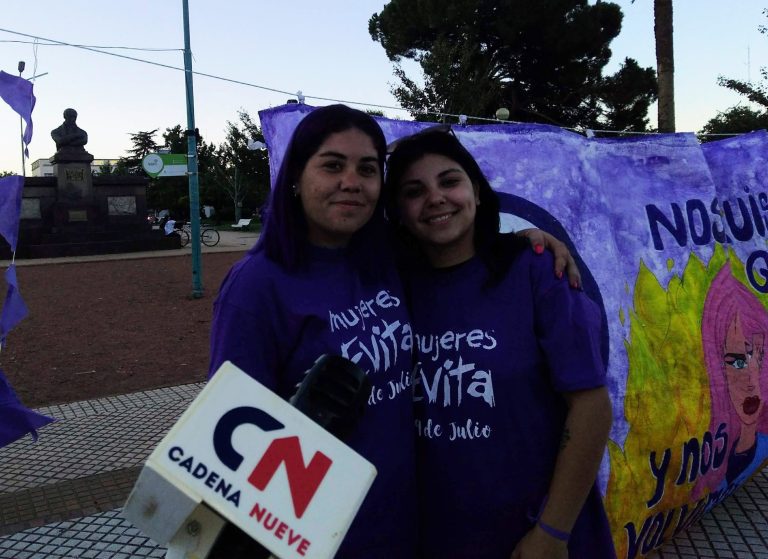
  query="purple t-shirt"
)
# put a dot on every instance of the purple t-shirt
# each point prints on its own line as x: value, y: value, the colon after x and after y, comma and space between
x: 489, y: 417
x: 273, y: 325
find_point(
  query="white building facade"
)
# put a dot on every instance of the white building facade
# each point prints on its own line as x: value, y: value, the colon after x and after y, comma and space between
x: 44, y: 167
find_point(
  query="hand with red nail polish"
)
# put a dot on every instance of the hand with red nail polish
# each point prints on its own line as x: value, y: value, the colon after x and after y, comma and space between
x: 564, y: 262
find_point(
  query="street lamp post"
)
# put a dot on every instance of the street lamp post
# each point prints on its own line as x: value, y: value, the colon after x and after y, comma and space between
x: 194, y: 185
x: 21, y: 67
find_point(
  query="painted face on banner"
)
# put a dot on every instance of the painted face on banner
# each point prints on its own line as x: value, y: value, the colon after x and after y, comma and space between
x: 438, y: 203
x: 339, y: 188
x: 743, y: 360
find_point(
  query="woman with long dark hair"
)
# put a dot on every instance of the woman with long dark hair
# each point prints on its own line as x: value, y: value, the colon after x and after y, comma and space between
x: 512, y: 413
x: 319, y: 281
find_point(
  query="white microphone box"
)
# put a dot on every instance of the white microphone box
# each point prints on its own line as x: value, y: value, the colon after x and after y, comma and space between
x: 259, y: 463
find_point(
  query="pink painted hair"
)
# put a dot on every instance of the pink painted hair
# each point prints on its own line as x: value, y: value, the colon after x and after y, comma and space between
x: 726, y: 298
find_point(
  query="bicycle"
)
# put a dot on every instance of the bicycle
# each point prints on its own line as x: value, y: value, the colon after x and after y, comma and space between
x: 208, y: 235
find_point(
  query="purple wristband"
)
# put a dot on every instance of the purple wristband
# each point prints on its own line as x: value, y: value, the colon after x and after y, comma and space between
x: 554, y: 532
x: 549, y: 530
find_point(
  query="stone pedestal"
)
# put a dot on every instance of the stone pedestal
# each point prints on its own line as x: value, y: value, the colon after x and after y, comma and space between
x: 75, y: 183
x: 75, y: 204
x: 114, y: 221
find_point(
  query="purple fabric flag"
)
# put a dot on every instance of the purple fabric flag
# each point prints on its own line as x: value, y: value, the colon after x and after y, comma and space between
x: 14, y: 308
x: 15, y: 419
x: 277, y: 126
x: 17, y: 92
x: 10, y: 208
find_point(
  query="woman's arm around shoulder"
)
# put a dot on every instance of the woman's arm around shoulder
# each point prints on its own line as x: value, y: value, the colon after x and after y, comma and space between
x: 564, y: 261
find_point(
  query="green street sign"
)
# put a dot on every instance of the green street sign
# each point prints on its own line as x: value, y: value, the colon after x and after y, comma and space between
x: 165, y: 164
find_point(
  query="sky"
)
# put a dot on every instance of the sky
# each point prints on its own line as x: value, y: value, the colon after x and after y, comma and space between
x: 320, y: 48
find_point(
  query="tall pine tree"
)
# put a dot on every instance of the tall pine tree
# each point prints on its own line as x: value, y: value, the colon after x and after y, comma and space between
x: 542, y: 60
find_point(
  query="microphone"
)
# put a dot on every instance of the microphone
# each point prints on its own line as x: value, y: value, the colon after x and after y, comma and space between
x: 333, y: 394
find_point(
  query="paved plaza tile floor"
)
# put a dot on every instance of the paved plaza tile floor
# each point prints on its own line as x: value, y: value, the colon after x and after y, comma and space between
x: 61, y: 497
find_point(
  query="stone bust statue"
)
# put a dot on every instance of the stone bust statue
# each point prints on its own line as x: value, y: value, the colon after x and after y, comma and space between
x: 70, y: 139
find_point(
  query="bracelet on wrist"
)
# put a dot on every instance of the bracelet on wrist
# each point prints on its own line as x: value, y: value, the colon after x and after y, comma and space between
x: 554, y: 532
x: 546, y: 528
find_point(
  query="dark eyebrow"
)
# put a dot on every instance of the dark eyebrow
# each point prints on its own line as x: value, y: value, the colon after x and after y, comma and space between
x: 451, y: 170
x: 332, y: 154
x: 336, y: 154
x: 410, y: 182
x: 439, y: 175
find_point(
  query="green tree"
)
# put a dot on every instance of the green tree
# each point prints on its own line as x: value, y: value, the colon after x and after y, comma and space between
x: 757, y: 93
x: 736, y: 120
x: 176, y: 142
x: 242, y: 173
x: 105, y: 168
x: 740, y: 119
x: 121, y: 167
x: 175, y: 139
x: 230, y: 175
x: 541, y: 60
x: 172, y: 193
x: 624, y: 97
x: 6, y: 174
x: 167, y: 192
x: 143, y: 144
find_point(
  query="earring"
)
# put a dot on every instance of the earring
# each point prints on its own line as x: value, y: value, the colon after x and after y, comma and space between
x: 295, y: 191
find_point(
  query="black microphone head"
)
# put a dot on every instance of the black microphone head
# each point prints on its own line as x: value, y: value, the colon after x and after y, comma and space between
x: 333, y: 394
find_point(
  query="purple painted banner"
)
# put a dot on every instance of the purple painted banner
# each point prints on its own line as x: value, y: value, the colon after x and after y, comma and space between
x: 671, y: 239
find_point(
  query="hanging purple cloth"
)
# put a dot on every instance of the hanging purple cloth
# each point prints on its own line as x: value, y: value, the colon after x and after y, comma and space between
x: 15, y: 419
x: 10, y: 208
x: 14, y: 308
x: 17, y: 92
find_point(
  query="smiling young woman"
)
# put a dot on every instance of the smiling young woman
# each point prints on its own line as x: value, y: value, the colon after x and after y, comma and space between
x: 339, y: 188
x: 319, y: 281
x: 439, y: 201
x: 512, y: 413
